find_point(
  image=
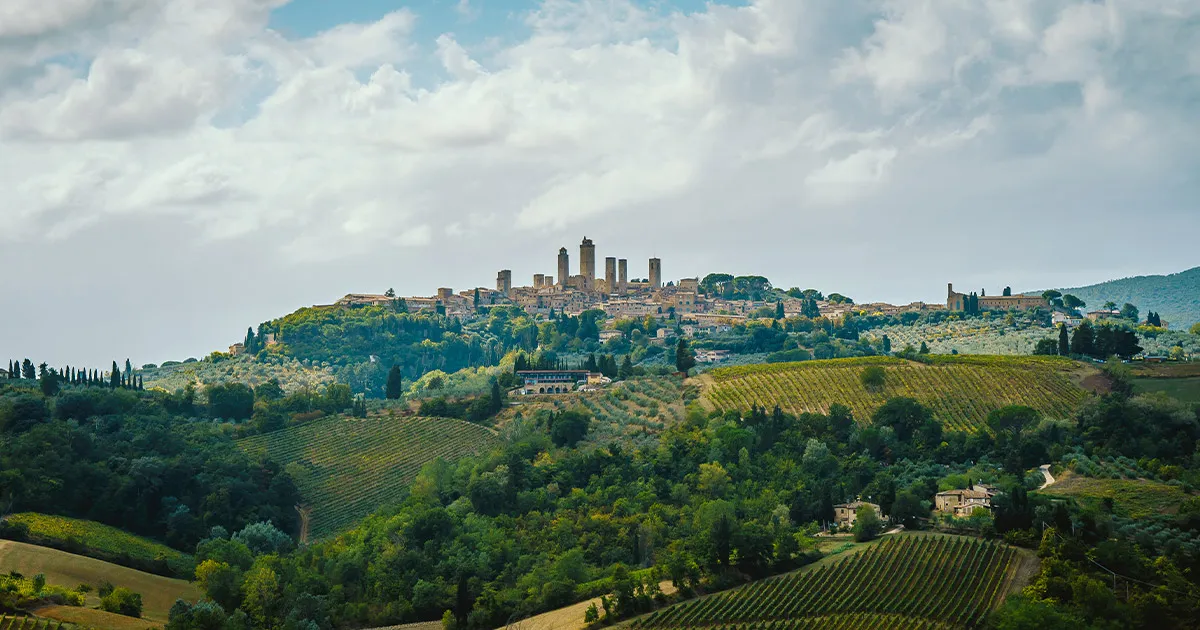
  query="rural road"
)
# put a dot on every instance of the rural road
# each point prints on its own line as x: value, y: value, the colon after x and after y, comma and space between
x: 1045, y: 468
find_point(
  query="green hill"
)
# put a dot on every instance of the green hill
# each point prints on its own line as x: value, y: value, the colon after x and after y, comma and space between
x: 961, y: 390
x: 905, y: 581
x: 1176, y: 296
x: 347, y: 468
x: 101, y: 541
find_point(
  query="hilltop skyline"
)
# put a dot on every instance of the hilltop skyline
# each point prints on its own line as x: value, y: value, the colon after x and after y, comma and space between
x: 175, y: 172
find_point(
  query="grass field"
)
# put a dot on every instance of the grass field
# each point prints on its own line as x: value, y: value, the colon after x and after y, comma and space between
x: 1184, y: 389
x: 70, y: 570
x: 1134, y: 498
x: 904, y: 581
x: 101, y: 541
x: 94, y: 619
x: 347, y: 468
x: 961, y: 390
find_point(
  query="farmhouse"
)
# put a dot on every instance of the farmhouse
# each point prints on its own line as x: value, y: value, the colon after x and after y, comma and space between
x: 846, y: 513
x: 552, y: 381
x: 962, y: 503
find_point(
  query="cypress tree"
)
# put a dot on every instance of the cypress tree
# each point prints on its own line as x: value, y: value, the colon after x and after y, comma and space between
x: 128, y: 368
x: 114, y: 378
x: 395, y: 383
x: 887, y: 345
x: 1064, y: 344
x: 779, y: 310
x: 28, y: 372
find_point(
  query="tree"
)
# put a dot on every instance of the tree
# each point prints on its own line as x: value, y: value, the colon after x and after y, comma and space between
x: 1053, y: 297
x: 395, y: 384
x: 1007, y: 292
x: 887, y: 345
x: 122, y: 601
x: 1196, y: 329
x: 391, y: 293
x: 1064, y: 343
x: 866, y: 523
x: 779, y: 310
x: 685, y: 359
x: 569, y: 427
x: 1083, y: 341
x: 1153, y: 319
x: 249, y: 343
x: 114, y: 377
x: 1046, y: 346
x: 1072, y: 302
x: 496, y: 399
x: 28, y: 372
x: 907, y: 509
x: 626, y: 369
x: 873, y: 377
x: 1130, y: 312
x: 924, y: 348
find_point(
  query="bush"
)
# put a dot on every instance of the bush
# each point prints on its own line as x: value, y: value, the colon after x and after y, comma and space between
x: 873, y: 377
x: 123, y: 602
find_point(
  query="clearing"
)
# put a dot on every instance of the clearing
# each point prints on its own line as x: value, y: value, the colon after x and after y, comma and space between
x: 961, y: 390
x: 69, y: 570
x: 1134, y: 498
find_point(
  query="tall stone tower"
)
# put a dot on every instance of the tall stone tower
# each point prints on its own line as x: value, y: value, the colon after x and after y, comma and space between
x: 655, y: 273
x: 622, y: 276
x: 504, y: 281
x: 610, y: 273
x: 587, y: 262
x: 564, y: 267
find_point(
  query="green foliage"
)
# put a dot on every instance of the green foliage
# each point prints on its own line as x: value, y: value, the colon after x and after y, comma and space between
x: 873, y: 377
x: 395, y: 384
x: 123, y: 602
x: 867, y: 525
x: 567, y: 428
x: 685, y: 359
x: 1173, y: 296
x: 99, y: 540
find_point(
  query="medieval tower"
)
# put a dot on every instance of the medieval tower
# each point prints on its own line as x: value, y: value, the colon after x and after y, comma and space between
x: 564, y: 267
x: 587, y: 262
x: 622, y: 276
x: 655, y: 273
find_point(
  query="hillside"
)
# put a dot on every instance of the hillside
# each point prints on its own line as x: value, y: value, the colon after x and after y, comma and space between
x: 70, y: 570
x: 347, y: 468
x: 961, y: 390
x: 905, y: 581
x: 101, y: 541
x: 293, y: 375
x: 1176, y: 296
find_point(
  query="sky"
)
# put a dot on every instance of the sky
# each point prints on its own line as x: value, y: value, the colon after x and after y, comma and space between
x: 173, y: 171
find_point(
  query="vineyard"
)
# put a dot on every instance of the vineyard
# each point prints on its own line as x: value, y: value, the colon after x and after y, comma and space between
x: 31, y: 623
x: 905, y: 581
x: 347, y: 468
x: 961, y: 390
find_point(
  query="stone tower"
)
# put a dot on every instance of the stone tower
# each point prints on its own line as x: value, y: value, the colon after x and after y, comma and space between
x: 655, y: 273
x: 610, y: 274
x: 504, y: 281
x: 587, y: 262
x: 564, y: 267
x: 622, y: 276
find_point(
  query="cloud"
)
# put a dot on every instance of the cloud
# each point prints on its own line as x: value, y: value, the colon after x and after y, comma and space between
x: 371, y: 139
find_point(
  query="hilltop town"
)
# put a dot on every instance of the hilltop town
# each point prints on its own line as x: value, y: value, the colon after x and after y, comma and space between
x: 705, y: 303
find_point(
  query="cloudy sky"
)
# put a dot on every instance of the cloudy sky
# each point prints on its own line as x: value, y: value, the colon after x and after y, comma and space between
x: 175, y: 170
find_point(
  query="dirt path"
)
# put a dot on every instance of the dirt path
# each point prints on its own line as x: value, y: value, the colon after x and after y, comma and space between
x: 1045, y: 468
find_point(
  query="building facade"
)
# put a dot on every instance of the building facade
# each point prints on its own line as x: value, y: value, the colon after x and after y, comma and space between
x: 957, y: 301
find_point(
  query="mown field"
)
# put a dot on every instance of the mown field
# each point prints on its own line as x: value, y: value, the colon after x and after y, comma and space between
x: 347, y: 468
x: 70, y: 570
x: 961, y: 390
x: 102, y: 541
x: 1133, y: 498
x: 905, y: 581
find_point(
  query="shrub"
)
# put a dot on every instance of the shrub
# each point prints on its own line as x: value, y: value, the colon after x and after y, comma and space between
x: 873, y: 377
x: 123, y: 602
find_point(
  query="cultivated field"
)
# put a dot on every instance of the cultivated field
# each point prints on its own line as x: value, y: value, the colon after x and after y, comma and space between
x: 347, y: 468
x: 70, y: 570
x: 905, y: 581
x: 8, y: 622
x: 101, y: 541
x: 95, y: 619
x: 961, y: 390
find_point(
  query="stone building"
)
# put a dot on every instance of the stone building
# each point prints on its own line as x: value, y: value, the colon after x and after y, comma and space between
x: 655, y: 273
x: 610, y: 274
x: 504, y: 281
x: 564, y: 267
x: 622, y: 276
x: 956, y: 301
x: 846, y: 513
x: 587, y: 262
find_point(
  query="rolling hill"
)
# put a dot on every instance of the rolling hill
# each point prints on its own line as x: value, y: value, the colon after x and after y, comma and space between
x: 69, y: 570
x: 905, y: 581
x: 1176, y: 296
x: 103, y: 542
x: 961, y: 390
x: 347, y: 468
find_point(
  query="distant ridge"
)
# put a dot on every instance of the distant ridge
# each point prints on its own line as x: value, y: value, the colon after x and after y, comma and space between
x: 1176, y: 297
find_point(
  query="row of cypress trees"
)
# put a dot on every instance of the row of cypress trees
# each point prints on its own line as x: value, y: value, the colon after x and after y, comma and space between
x: 115, y: 378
